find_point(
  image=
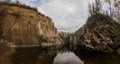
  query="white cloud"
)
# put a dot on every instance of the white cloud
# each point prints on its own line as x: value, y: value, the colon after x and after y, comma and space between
x: 68, y: 15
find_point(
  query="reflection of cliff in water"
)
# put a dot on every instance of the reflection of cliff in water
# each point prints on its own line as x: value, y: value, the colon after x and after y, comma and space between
x: 33, y: 55
x: 99, y: 58
x: 37, y: 55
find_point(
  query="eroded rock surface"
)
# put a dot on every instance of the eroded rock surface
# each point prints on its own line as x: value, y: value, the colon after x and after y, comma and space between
x: 23, y: 25
x: 100, y: 33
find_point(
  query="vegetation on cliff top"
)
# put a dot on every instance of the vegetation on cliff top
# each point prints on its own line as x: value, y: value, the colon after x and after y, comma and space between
x: 19, y: 5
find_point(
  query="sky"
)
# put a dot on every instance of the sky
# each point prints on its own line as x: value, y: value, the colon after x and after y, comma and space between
x: 67, y: 15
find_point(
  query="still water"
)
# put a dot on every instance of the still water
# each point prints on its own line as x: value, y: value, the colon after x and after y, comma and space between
x: 35, y: 55
x: 67, y: 58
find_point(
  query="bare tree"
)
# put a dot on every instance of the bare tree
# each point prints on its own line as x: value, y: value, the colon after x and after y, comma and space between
x: 17, y: 2
x: 117, y: 10
x: 90, y: 9
x: 114, y: 8
x: 95, y: 8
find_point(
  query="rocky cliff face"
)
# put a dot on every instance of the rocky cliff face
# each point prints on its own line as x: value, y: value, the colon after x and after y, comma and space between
x: 23, y: 25
x: 64, y: 36
x: 100, y: 33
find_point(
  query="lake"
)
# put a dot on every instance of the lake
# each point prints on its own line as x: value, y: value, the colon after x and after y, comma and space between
x: 36, y: 55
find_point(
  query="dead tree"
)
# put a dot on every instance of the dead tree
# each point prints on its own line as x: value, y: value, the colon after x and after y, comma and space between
x: 95, y: 8
x: 117, y: 10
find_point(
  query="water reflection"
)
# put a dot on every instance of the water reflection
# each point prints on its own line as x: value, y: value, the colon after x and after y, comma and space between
x: 26, y: 55
x: 35, y: 55
x: 67, y: 58
x: 46, y: 57
x: 102, y: 58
